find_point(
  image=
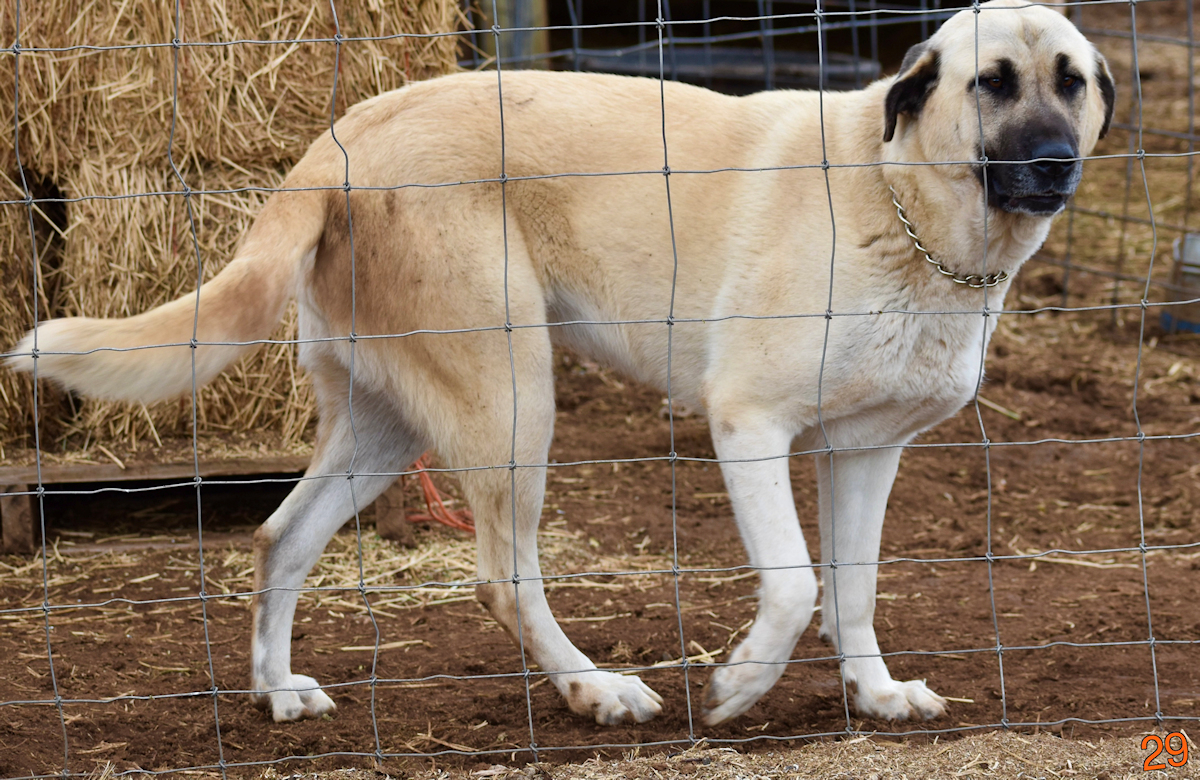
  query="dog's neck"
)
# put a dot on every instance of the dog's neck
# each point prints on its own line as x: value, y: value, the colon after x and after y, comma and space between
x: 975, y: 240
x: 946, y: 207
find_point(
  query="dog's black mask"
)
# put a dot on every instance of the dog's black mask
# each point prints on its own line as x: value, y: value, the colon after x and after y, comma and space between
x: 1033, y: 170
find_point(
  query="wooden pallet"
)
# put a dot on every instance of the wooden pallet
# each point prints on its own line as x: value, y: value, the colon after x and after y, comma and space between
x: 19, y: 516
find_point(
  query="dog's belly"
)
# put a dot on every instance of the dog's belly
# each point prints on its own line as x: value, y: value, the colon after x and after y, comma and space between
x: 636, y: 343
x: 578, y: 316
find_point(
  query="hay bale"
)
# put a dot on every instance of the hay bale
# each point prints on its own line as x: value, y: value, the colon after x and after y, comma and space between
x: 18, y: 272
x: 16, y: 311
x: 97, y: 123
x: 118, y: 257
x: 240, y: 103
x: 127, y: 255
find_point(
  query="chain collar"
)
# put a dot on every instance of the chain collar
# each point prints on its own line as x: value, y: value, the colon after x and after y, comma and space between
x: 974, y: 281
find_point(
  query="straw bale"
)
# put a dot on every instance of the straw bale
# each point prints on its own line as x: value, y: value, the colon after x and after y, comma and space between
x: 18, y: 273
x: 99, y: 123
x: 16, y: 312
x: 242, y: 103
x: 122, y: 256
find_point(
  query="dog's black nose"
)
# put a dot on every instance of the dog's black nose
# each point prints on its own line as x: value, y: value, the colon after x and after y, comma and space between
x: 1053, y: 159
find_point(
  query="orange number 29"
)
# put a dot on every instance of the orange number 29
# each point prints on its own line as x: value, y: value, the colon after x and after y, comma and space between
x: 1176, y: 757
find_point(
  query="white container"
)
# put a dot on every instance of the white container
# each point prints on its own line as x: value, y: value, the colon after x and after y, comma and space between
x: 1185, y: 274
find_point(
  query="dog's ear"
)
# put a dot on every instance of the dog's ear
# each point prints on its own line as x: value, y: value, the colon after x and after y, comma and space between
x: 1107, y: 91
x: 918, y: 73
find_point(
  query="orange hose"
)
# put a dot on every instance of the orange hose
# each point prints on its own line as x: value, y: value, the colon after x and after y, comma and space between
x: 437, y: 511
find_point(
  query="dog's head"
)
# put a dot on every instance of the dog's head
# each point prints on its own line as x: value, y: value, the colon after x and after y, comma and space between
x: 1015, y: 82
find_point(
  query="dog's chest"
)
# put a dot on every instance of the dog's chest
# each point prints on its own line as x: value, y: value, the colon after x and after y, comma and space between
x: 903, y: 373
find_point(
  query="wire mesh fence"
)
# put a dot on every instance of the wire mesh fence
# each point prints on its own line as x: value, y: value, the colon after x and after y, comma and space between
x: 1121, y: 251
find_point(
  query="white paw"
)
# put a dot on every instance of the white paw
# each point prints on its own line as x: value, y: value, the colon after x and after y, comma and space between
x: 733, y: 689
x: 895, y: 700
x: 299, y: 697
x: 611, y: 698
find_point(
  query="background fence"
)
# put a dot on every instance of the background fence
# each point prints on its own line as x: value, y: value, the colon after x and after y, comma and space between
x: 1060, y: 560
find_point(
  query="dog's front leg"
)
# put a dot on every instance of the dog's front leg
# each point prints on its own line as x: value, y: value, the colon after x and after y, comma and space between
x: 517, y: 600
x: 754, y: 461
x: 854, y: 488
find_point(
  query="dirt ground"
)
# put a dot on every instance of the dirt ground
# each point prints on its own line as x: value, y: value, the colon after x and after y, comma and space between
x: 135, y: 676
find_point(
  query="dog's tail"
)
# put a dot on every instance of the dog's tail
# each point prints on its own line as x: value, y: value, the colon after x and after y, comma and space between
x: 152, y: 356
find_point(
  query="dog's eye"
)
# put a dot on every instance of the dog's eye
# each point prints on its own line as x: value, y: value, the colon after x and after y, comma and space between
x: 995, y: 82
x: 1069, y: 81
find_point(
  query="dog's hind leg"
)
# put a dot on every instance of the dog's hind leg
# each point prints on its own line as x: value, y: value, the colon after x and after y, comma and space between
x: 753, y: 452
x: 853, y: 497
x: 507, y: 504
x: 289, y: 543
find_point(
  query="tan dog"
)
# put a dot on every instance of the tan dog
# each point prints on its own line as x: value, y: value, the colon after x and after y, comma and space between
x: 724, y: 255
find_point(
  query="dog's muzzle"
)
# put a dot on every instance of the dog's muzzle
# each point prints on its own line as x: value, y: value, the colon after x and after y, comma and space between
x: 1039, y: 184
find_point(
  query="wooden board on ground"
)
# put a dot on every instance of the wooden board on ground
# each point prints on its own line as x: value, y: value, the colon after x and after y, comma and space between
x: 19, y: 516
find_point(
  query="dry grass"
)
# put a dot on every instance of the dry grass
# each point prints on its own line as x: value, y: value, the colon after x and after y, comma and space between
x: 399, y: 578
x: 992, y: 755
x: 998, y: 755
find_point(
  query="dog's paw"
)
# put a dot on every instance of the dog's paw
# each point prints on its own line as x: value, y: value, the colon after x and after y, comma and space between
x: 733, y: 689
x: 896, y: 700
x: 299, y: 697
x: 612, y: 698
